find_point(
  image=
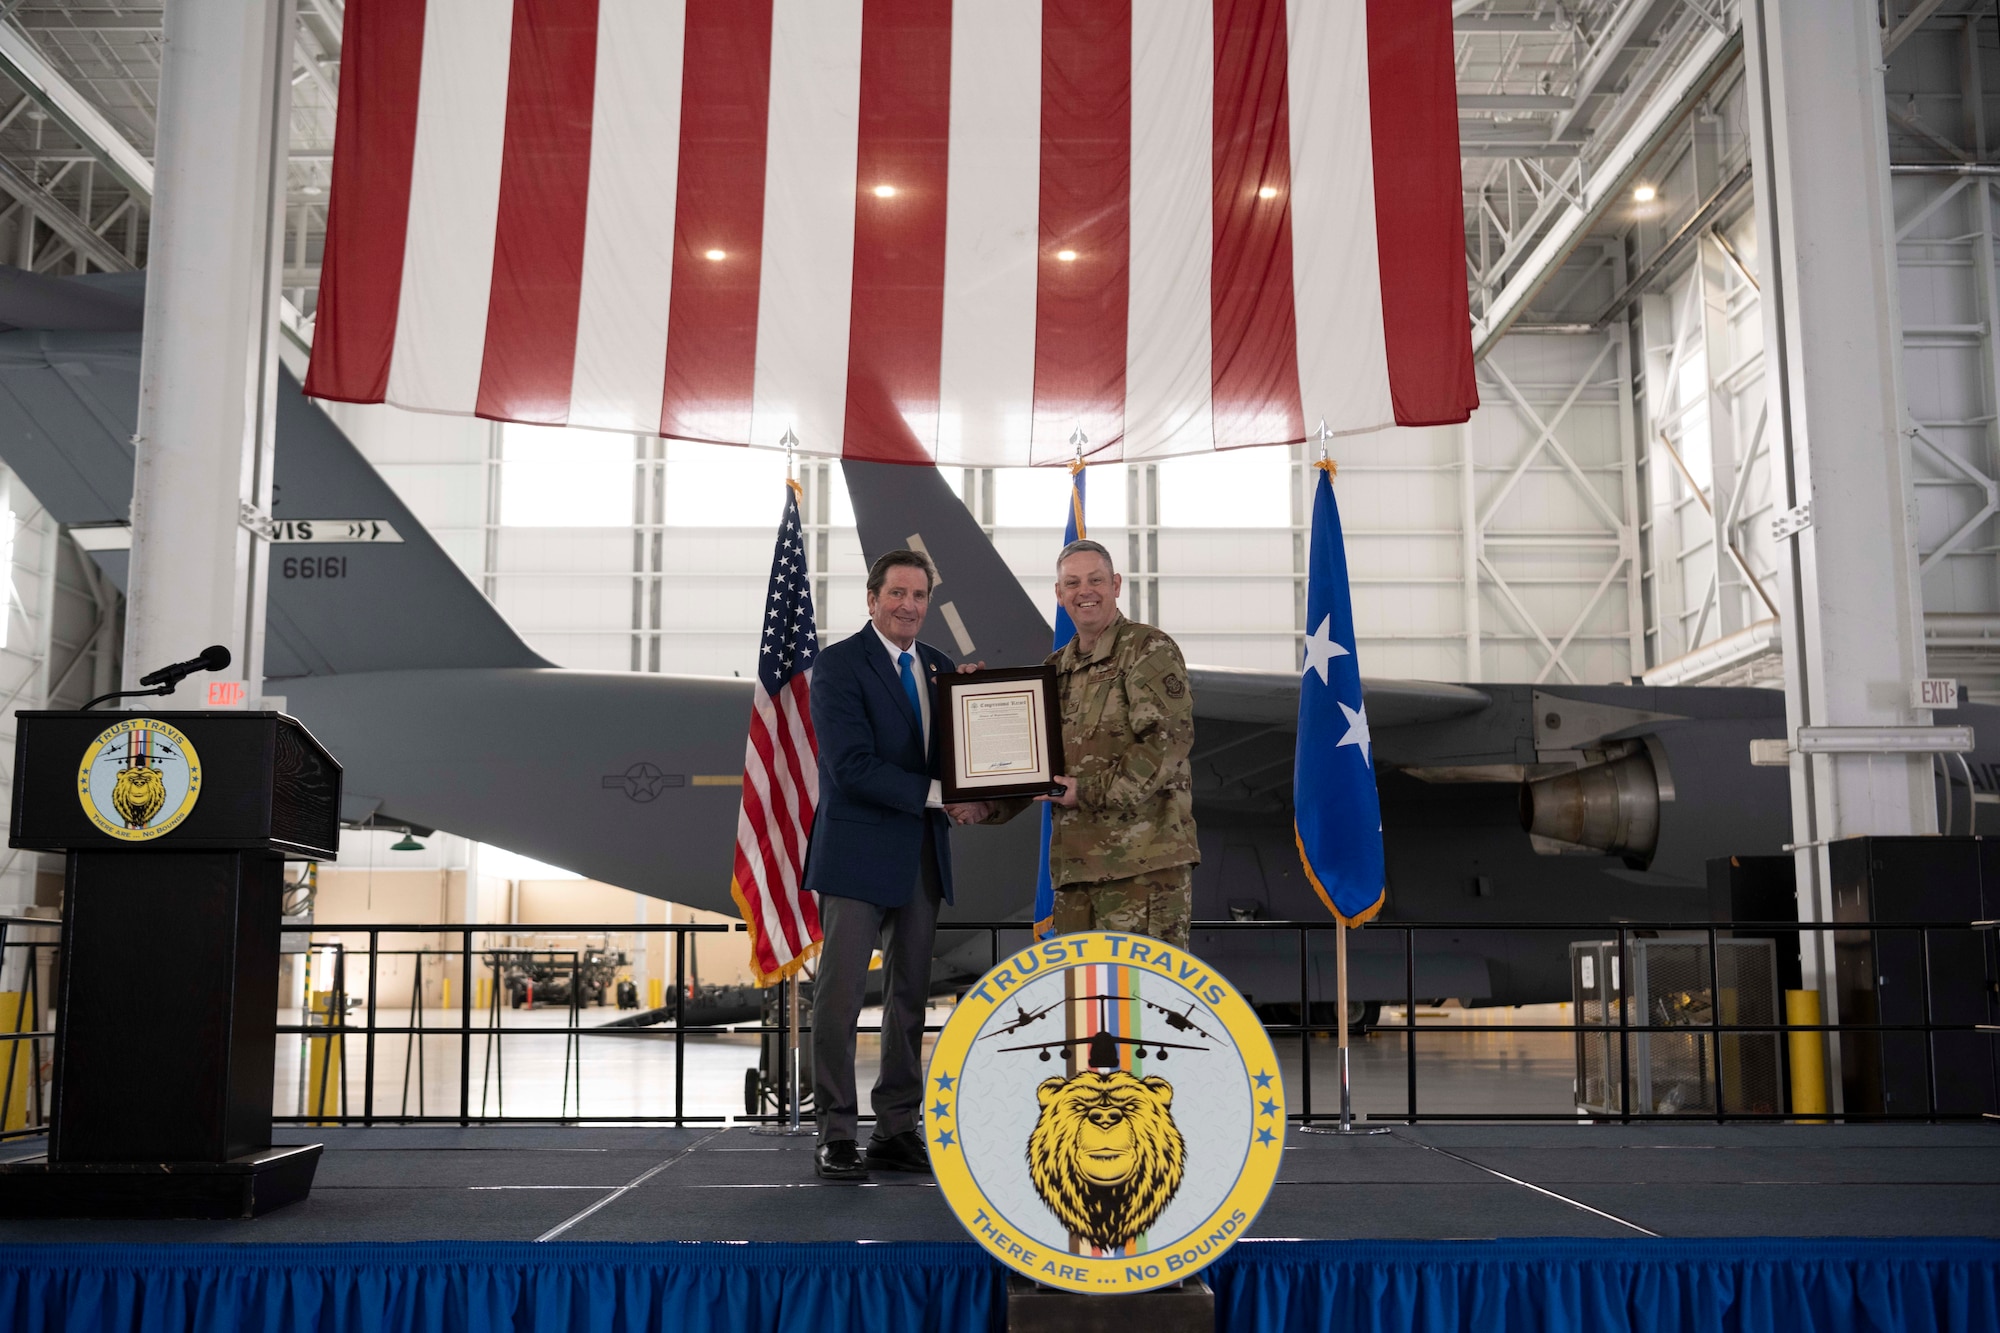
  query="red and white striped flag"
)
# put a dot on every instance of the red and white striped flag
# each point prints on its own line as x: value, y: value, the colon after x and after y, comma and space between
x: 905, y: 230
x: 780, y: 771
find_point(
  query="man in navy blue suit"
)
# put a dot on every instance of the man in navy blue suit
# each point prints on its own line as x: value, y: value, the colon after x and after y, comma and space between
x: 880, y: 862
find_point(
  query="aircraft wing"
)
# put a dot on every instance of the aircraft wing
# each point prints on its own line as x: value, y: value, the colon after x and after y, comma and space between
x: 1240, y: 694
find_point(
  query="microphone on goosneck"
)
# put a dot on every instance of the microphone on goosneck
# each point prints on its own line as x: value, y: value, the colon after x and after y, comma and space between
x: 215, y: 657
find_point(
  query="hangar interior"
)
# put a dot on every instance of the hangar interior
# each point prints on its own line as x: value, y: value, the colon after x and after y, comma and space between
x: 1606, y: 517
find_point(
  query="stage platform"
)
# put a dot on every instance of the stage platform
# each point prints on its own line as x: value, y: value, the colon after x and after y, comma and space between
x: 1429, y: 1182
x: 1695, y: 1211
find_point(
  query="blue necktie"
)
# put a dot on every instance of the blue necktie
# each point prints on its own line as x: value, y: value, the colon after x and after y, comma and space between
x: 910, y: 689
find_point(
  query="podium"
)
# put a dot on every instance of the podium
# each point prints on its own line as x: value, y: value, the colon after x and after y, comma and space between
x: 176, y: 825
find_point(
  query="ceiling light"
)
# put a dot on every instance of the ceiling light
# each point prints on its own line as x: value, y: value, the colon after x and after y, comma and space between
x: 715, y: 254
x: 885, y: 192
x: 311, y: 191
x: 408, y: 844
x: 1268, y: 192
x: 1644, y: 194
x: 1067, y: 256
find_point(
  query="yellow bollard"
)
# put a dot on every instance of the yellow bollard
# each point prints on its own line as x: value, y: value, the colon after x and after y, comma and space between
x: 17, y: 1057
x: 656, y: 993
x: 323, y: 1072
x: 445, y: 1002
x: 1808, y: 1052
x: 482, y: 991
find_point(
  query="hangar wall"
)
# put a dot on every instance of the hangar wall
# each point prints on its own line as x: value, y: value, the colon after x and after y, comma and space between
x: 1543, y: 474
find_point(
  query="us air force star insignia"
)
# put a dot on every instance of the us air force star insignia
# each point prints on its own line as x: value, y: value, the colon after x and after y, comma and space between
x: 139, y: 779
x: 1109, y: 1115
x: 1321, y: 649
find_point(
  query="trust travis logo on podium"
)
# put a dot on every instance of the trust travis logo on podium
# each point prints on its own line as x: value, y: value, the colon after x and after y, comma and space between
x: 1104, y: 1113
x: 139, y: 779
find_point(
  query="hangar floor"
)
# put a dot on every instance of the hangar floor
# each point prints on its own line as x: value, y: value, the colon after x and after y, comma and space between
x: 1442, y: 1182
x: 1463, y: 1067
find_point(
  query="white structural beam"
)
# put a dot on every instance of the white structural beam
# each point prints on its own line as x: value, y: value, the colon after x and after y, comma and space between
x: 81, y: 119
x: 208, y: 361
x: 1852, y: 613
x: 57, y: 216
x: 22, y: 63
x: 1606, y: 180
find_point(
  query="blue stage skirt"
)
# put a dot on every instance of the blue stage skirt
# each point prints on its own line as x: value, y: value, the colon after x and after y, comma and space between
x: 1738, y: 1285
x: 1714, y: 1286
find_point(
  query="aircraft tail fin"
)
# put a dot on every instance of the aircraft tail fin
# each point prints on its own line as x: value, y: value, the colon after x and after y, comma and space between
x: 356, y: 584
x: 979, y: 611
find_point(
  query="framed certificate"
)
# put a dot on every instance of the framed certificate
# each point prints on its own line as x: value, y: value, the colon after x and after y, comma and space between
x: 1000, y: 733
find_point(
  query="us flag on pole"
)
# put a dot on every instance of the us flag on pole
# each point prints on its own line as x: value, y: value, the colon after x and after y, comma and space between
x: 780, y: 770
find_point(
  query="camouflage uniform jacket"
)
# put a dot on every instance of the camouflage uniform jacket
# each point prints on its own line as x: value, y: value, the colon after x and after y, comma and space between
x: 1127, y: 725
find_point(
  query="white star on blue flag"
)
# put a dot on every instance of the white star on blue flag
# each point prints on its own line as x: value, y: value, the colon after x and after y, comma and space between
x: 1337, y: 813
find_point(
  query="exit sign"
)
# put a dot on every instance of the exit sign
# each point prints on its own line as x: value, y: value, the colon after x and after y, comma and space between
x: 1934, y: 694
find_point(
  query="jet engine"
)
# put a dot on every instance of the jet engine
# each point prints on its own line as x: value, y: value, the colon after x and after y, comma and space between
x: 1611, y: 807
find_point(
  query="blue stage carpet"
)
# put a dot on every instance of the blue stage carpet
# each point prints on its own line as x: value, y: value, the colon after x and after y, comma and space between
x: 1746, y: 1285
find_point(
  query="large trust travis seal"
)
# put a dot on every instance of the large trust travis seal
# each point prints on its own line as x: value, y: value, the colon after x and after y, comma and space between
x: 1104, y: 1113
x: 139, y: 779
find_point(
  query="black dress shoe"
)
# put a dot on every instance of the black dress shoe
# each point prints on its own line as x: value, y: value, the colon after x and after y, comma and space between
x: 900, y: 1152
x: 839, y: 1160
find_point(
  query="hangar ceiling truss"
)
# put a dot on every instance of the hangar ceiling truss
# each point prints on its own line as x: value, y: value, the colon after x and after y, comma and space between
x: 1611, y: 528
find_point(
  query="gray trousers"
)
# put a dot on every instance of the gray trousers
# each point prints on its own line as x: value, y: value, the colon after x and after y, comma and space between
x: 849, y: 932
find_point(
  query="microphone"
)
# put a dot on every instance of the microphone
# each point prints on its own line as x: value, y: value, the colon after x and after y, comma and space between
x: 213, y: 658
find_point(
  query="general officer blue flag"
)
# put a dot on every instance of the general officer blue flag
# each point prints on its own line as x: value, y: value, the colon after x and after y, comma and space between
x: 1337, y: 815
x: 1045, y: 893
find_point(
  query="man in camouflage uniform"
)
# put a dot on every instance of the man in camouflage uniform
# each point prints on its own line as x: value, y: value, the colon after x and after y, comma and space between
x: 1122, y: 854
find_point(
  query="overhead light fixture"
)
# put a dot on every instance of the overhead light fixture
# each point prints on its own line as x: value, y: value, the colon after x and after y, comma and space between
x: 885, y: 192
x: 715, y: 254
x: 1067, y: 256
x: 1884, y: 740
x: 1644, y: 194
x: 1268, y: 192
x: 311, y: 191
x: 408, y: 844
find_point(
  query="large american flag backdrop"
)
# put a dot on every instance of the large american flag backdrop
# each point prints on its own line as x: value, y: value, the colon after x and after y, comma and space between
x: 906, y: 230
x: 780, y: 770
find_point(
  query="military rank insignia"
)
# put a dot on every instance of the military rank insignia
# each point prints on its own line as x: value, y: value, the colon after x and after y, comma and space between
x: 139, y: 779
x: 1104, y: 1113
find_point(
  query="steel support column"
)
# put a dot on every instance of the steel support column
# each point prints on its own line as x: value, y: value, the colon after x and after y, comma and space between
x: 209, y: 358
x: 1620, y: 333
x: 1725, y: 452
x: 1852, y: 612
x: 1142, y: 572
x: 1469, y: 553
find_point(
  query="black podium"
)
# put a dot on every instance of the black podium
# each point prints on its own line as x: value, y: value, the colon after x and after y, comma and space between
x: 177, y: 826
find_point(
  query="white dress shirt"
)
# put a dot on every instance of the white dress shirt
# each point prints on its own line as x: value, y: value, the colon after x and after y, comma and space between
x: 935, y: 799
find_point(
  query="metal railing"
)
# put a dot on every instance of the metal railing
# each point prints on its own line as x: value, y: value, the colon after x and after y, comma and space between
x: 23, y: 1088
x: 462, y: 947
x: 1625, y: 1030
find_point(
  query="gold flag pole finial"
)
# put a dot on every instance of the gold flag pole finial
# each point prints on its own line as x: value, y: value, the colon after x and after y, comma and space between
x: 1077, y: 440
x: 1323, y: 435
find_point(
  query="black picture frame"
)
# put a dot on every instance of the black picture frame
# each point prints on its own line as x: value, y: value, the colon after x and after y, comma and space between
x: 954, y: 689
